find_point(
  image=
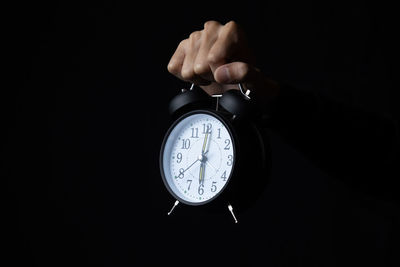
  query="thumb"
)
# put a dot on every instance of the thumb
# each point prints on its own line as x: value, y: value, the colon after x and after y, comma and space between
x: 236, y: 72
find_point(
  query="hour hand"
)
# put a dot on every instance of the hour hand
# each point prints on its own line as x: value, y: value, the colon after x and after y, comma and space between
x: 201, y: 173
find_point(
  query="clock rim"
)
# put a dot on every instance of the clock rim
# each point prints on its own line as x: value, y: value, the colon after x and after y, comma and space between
x: 233, y: 136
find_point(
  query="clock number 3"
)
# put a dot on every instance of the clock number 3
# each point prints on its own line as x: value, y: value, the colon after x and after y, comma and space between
x: 230, y: 160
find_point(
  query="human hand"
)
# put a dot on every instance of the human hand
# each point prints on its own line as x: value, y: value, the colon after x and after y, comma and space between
x: 217, y: 57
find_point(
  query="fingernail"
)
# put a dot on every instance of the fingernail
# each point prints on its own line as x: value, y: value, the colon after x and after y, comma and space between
x: 224, y: 75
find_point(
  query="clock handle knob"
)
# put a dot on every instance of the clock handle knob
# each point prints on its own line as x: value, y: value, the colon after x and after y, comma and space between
x: 246, y: 94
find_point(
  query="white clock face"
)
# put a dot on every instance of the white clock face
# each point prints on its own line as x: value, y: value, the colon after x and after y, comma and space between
x: 198, y: 158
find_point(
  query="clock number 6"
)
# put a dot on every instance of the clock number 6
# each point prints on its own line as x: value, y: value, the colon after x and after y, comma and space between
x: 201, y: 189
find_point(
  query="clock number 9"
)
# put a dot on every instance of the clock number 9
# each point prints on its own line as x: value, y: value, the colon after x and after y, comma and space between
x: 179, y: 158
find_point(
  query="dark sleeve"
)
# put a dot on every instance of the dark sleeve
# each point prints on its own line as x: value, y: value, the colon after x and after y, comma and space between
x: 357, y: 146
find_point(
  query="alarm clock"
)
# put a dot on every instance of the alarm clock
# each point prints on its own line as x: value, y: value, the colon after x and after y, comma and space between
x: 215, y: 155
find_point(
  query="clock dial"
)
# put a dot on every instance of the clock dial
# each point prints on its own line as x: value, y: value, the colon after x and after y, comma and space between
x: 198, y: 157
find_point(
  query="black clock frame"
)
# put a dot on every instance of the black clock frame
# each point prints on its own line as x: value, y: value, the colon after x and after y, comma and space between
x: 252, y: 150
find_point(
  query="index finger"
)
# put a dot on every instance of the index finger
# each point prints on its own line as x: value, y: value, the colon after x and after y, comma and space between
x: 176, y: 62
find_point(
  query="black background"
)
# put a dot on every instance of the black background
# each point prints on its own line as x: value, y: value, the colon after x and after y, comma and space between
x: 85, y: 111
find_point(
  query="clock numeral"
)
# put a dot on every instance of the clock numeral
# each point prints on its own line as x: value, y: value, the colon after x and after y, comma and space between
x: 224, y: 176
x: 227, y: 142
x: 207, y: 128
x: 189, y: 182
x: 179, y: 158
x: 195, y: 133
x: 181, y: 173
x: 219, y: 133
x: 201, y: 189
x: 185, y: 143
x: 213, y: 187
x: 230, y: 160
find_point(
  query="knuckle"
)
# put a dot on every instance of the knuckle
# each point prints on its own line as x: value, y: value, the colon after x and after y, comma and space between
x: 211, y: 24
x: 210, y: 32
x: 232, y: 31
x: 200, y: 68
x: 172, y: 67
x: 187, y: 74
x: 213, y: 58
x: 182, y: 43
x: 232, y: 25
x: 195, y: 35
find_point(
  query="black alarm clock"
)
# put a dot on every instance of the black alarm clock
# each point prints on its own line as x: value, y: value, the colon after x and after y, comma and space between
x: 215, y: 154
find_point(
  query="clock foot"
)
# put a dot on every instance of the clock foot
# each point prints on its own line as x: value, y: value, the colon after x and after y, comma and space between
x: 233, y: 214
x: 173, y: 207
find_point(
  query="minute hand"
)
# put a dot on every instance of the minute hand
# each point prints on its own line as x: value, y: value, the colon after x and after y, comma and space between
x: 203, y: 159
x: 205, y: 143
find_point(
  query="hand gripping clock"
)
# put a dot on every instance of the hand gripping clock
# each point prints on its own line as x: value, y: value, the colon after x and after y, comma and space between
x: 214, y: 154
